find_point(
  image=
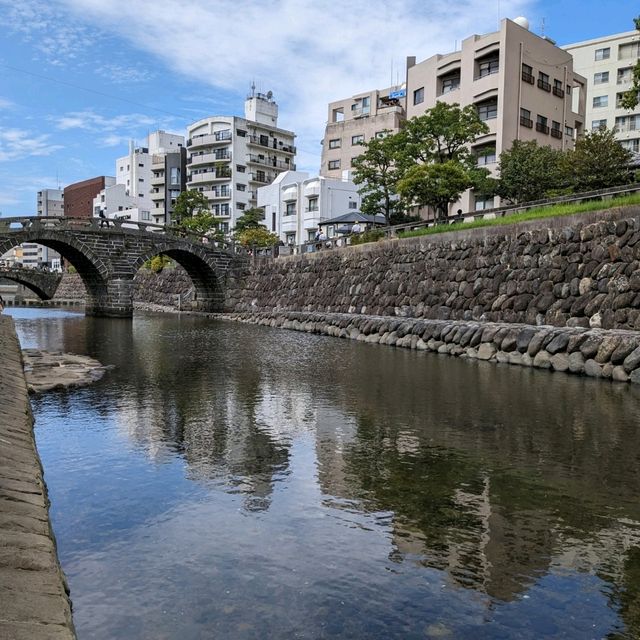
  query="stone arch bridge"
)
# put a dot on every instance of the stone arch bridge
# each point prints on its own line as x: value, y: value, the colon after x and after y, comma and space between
x: 42, y: 283
x: 108, y: 257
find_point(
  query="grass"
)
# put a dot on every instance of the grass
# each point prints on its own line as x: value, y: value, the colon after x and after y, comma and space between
x: 535, y: 214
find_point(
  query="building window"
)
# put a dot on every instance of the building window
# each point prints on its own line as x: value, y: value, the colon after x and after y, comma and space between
x: 359, y: 139
x: 450, y: 83
x: 313, y: 204
x: 485, y: 155
x: 625, y: 75
x: 174, y: 175
x: 145, y: 215
x: 620, y: 98
x: 241, y: 133
x: 627, y: 123
x: 557, y: 89
x: 224, y: 210
x: 527, y: 73
x: 353, y: 161
x: 418, y: 96
x: 488, y: 66
x: 525, y: 118
x: 381, y: 134
x: 600, y: 101
x: 629, y: 51
x: 596, y: 125
x: 631, y: 145
x: 483, y: 202
x: 141, y: 195
x: 334, y: 164
x: 488, y: 110
x: 601, y: 78
x: 140, y: 164
x: 543, y: 81
x: 542, y: 124
x: 603, y: 54
x: 241, y: 187
x: 240, y: 206
x: 556, y: 131
x: 353, y: 205
x: 568, y: 131
x: 290, y: 238
x: 334, y: 144
x: 240, y: 168
x: 291, y: 209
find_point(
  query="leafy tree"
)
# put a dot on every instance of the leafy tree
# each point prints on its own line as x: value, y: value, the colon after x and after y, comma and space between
x: 188, y: 204
x: 599, y: 161
x: 203, y: 224
x: 257, y: 237
x: 376, y: 169
x: 435, y: 185
x: 251, y: 219
x: 631, y: 98
x: 528, y: 171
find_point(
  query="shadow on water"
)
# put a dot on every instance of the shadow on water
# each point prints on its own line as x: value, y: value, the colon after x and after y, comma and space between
x: 500, y: 478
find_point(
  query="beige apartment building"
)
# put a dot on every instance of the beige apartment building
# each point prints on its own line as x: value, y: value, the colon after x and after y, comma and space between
x: 523, y: 85
x: 608, y: 64
x: 355, y: 120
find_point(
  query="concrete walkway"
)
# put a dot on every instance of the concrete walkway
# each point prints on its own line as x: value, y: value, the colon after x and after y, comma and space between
x: 34, y: 603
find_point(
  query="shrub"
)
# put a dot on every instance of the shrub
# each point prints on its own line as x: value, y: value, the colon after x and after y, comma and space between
x: 373, y: 235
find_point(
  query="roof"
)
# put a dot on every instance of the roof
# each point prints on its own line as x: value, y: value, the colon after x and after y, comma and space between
x: 353, y: 217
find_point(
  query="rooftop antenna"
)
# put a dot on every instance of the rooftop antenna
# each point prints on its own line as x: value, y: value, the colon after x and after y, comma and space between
x: 253, y: 88
x: 542, y: 28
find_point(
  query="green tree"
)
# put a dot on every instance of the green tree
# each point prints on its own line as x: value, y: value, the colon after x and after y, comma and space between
x: 203, y: 224
x: 251, y: 219
x: 631, y: 98
x: 376, y: 170
x: 528, y: 171
x: 599, y: 161
x: 188, y: 204
x: 435, y: 185
x: 257, y: 237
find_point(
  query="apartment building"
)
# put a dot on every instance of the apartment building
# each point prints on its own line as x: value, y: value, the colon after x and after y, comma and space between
x: 229, y: 157
x: 49, y: 203
x: 295, y: 204
x: 523, y: 86
x: 355, y: 120
x: 78, y: 197
x: 608, y: 64
x: 168, y: 180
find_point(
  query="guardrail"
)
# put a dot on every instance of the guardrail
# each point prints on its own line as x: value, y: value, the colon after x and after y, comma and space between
x: 47, y: 223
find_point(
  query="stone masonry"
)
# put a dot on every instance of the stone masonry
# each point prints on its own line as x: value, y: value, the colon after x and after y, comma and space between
x: 34, y: 602
x: 44, y: 284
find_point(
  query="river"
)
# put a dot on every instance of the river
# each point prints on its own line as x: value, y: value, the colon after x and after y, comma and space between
x: 234, y: 481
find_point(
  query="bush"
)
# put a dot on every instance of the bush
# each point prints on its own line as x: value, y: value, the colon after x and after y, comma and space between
x: 372, y: 235
x: 158, y: 263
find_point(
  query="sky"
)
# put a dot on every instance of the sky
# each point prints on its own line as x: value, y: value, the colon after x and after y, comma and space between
x: 80, y: 78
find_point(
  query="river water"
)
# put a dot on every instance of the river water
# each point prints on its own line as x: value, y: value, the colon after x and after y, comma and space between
x: 233, y: 481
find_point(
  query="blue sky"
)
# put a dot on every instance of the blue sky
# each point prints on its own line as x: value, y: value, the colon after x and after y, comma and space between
x: 79, y: 78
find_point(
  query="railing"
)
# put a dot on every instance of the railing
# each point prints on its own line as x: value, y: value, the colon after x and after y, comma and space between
x: 110, y: 225
x: 542, y: 84
x: 542, y: 128
x: 556, y: 133
x: 527, y: 77
x: 557, y: 91
x: 526, y: 122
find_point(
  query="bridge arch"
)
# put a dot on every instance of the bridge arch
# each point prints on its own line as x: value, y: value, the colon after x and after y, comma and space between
x: 43, y: 284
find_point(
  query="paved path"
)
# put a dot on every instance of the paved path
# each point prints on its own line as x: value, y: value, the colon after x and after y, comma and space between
x: 33, y: 600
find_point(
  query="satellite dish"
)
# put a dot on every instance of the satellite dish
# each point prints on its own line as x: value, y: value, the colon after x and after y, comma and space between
x: 523, y: 22
x: 269, y: 94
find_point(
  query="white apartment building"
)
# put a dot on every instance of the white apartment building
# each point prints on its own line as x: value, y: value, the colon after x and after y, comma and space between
x: 229, y: 157
x: 608, y: 64
x: 355, y: 120
x: 139, y: 170
x: 295, y: 204
x: 49, y: 203
x: 114, y: 202
x: 523, y: 86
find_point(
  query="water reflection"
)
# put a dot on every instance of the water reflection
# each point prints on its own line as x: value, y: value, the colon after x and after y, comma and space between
x: 431, y: 495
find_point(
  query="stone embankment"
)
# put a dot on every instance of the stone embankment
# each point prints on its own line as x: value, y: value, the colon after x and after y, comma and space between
x: 34, y: 602
x: 598, y: 353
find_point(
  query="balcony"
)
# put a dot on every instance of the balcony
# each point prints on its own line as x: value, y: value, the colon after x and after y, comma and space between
x: 527, y: 77
x: 269, y: 162
x: 208, y: 176
x: 556, y: 133
x: 157, y: 180
x: 526, y: 122
x: 262, y: 179
x: 557, y: 91
x: 209, y: 158
x: 542, y: 128
x: 545, y: 86
x: 218, y: 194
x: 219, y: 137
x: 157, y: 194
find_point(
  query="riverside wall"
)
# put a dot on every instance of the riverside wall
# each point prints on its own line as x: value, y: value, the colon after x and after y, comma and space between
x: 34, y: 601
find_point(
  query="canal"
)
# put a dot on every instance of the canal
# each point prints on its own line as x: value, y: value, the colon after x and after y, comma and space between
x: 235, y: 481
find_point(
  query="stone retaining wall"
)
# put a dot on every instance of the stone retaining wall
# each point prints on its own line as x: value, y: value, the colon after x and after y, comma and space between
x: 612, y: 354
x: 34, y: 602
x: 580, y: 271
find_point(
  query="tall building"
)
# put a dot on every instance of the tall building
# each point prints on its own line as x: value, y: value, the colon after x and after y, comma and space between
x: 523, y: 86
x: 78, y: 197
x: 355, y: 120
x: 294, y: 204
x: 608, y: 64
x: 50, y: 203
x: 229, y: 157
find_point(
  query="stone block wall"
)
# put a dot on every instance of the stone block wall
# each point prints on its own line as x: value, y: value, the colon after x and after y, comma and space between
x: 575, y: 271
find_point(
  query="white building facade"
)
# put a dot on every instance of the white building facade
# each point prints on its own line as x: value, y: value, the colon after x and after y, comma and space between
x: 114, y: 202
x: 229, y: 157
x: 295, y: 204
x: 608, y: 64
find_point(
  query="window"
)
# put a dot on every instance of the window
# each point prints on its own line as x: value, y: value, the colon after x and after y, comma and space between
x: 625, y: 75
x: 598, y: 124
x: 541, y: 124
x: 264, y: 140
x: 240, y: 168
x: 353, y: 205
x: 141, y: 195
x: 334, y: 164
x: 483, y: 202
x: 543, y: 81
x: 620, y: 98
x: 291, y: 209
x: 334, y: 144
x: 450, y: 83
x: 628, y: 123
x: 601, y: 78
x: 338, y: 115
x: 603, y: 54
x: 224, y: 211
x: 525, y: 118
x: 313, y: 204
x: 631, y: 145
x: 485, y: 155
x: 568, y: 131
x: 418, y: 96
x: 488, y: 110
x: 629, y: 51
x: 241, y: 187
x: 556, y: 131
x: 488, y: 67
x: 145, y: 215
x: 174, y: 175
x: 241, y: 133
x: 557, y: 89
x: 240, y: 206
x: 381, y: 134
x: 600, y: 101
x: 527, y: 73
x: 141, y: 164
x: 353, y: 161
x: 359, y: 139
x: 140, y: 179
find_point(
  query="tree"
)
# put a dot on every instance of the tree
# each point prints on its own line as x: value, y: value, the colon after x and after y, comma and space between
x: 528, y: 171
x: 188, y: 204
x: 631, y: 98
x: 376, y: 169
x: 203, y: 224
x: 599, y: 161
x: 251, y: 219
x: 435, y: 185
x: 257, y: 237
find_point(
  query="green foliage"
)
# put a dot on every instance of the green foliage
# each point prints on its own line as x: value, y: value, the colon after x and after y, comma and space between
x: 257, y: 237
x: 71, y: 269
x: 250, y: 219
x: 203, y: 224
x: 158, y: 263
x: 599, y: 161
x: 189, y: 204
x: 528, y: 171
x: 631, y: 98
x: 373, y: 235
x: 435, y: 185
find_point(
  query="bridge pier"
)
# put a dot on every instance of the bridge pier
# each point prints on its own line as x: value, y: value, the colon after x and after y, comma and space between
x: 115, y: 300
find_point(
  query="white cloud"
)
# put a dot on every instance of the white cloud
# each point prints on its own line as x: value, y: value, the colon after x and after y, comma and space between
x: 91, y: 121
x: 5, y: 104
x: 19, y: 143
x: 122, y: 74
